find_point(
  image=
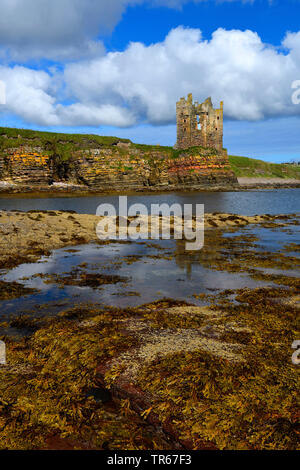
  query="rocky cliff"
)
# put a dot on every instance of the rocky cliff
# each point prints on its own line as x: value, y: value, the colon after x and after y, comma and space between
x: 31, y: 161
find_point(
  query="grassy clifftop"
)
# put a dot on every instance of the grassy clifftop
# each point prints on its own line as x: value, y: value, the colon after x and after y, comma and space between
x: 16, y: 137
x: 250, y: 167
x: 65, y: 144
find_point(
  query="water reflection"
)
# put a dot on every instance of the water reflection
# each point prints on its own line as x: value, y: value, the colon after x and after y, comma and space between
x: 153, y: 271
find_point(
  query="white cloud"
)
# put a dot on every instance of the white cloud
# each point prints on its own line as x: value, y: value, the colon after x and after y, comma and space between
x: 91, y: 115
x: 56, y: 29
x: 142, y: 84
x: 252, y: 78
x: 63, y: 29
x: 29, y: 94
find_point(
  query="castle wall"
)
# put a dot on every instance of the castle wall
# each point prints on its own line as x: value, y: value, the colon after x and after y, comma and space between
x: 199, y: 124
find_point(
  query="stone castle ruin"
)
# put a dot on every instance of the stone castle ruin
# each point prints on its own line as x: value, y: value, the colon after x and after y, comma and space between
x: 199, y: 124
x: 93, y: 163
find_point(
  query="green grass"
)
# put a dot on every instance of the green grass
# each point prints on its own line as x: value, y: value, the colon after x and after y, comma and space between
x: 250, y: 167
x: 65, y: 144
x: 16, y: 137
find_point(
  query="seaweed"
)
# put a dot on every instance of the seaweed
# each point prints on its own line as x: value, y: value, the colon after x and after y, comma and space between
x: 13, y: 290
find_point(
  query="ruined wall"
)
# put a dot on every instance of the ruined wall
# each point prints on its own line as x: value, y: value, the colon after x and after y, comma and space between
x: 199, y: 124
x: 122, y: 167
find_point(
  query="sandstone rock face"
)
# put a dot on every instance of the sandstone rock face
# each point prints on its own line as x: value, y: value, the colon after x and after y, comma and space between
x: 120, y: 167
x: 26, y: 165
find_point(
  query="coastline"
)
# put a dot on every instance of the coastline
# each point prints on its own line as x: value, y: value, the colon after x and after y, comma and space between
x: 65, y: 189
x: 270, y: 183
x: 26, y: 236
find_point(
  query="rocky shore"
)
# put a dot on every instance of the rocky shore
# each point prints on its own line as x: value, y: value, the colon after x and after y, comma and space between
x: 164, y: 375
x: 269, y: 183
x: 73, y: 189
x: 25, y: 236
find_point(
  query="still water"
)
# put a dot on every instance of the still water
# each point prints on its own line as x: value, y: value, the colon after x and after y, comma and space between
x: 151, y: 271
x: 276, y: 201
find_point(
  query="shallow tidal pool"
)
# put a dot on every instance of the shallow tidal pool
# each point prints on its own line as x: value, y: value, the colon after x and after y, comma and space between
x: 133, y: 273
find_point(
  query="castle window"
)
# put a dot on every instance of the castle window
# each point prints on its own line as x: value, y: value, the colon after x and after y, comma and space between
x: 198, y: 123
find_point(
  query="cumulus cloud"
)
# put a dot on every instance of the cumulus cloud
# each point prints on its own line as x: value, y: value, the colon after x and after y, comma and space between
x: 254, y: 79
x: 142, y: 83
x: 63, y: 29
x: 91, y: 115
x: 32, y: 96
x: 56, y: 29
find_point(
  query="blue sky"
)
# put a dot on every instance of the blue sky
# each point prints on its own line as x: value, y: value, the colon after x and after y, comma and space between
x: 148, y: 24
x: 117, y: 67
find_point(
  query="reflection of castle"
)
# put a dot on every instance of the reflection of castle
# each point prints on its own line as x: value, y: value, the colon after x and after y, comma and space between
x: 185, y: 259
x: 199, y: 124
x: 207, y: 257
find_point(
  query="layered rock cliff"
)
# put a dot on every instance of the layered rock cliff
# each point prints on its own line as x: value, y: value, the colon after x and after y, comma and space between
x: 32, y: 160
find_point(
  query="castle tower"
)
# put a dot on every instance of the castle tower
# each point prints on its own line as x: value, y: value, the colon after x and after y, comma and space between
x: 199, y: 124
